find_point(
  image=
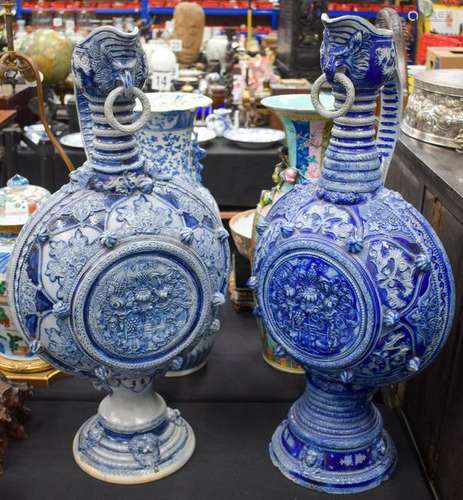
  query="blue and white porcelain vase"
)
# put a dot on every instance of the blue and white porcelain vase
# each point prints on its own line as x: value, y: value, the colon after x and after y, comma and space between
x: 109, y: 280
x: 172, y: 153
x: 351, y: 280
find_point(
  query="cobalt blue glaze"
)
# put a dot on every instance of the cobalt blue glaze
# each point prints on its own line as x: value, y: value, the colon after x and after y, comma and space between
x: 352, y: 282
x: 120, y: 275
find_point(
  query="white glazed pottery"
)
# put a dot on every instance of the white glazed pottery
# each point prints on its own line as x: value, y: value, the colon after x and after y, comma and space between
x: 254, y: 138
x: 72, y: 140
x: 18, y: 201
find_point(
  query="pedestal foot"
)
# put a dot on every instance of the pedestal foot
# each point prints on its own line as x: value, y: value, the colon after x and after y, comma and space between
x: 156, y: 443
x: 334, y: 441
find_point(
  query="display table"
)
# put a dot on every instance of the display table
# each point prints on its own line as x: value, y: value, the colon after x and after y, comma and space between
x: 234, y: 405
x: 234, y: 175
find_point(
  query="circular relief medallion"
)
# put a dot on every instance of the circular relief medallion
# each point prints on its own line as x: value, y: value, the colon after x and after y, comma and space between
x: 141, y: 304
x: 319, y: 305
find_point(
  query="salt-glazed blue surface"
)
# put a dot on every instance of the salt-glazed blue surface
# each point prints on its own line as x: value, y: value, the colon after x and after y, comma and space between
x: 351, y: 280
x: 120, y: 274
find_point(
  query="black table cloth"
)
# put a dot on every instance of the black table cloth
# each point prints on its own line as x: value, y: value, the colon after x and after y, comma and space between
x: 233, y: 405
x: 235, y: 176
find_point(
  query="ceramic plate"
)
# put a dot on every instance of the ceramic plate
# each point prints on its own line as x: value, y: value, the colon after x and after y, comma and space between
x: 205, y: 135
x: 72, y: 141
x: 254, y: 138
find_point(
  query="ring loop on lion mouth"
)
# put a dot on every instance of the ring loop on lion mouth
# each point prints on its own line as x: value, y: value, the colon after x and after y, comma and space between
x: 138, y: 124
x: 346, y: 82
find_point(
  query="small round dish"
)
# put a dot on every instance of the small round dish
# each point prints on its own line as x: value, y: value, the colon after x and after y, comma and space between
x: 254, y: 138
x: 74, y: 141
x: 204, y: 135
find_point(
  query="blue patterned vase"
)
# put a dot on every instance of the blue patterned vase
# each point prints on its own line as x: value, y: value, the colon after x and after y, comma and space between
x: 172, y: 152
x: 351, y: 280
x: 113, y: 279
x: 307, y: 136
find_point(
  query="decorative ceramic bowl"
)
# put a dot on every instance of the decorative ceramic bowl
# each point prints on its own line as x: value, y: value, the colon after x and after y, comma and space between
x: 204, y: 135
x: 254, y: 138
x: 241, y: 228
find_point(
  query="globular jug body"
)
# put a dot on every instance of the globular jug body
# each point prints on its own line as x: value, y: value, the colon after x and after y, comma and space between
x: 111, y: 278
x: 352, y: 282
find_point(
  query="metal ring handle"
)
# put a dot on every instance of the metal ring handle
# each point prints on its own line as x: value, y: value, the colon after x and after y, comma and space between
x: 133, y: 127
x: 346, y: 82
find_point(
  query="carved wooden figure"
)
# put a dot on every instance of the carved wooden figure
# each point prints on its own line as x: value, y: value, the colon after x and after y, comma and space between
x: 189, y: 21
x: 13, y: 413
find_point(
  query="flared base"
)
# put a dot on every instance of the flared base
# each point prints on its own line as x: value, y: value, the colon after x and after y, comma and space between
x: 333, y: 439
x: 305, y: 471
x: 134, y: 458
x: 134, y: 438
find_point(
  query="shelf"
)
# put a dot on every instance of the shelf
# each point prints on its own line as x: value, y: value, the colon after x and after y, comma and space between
x: 97, y: 11
x: 218, y: 11
x: 364, y: 13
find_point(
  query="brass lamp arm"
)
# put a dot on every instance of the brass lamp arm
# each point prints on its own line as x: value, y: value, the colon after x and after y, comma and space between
x: 12, y: 63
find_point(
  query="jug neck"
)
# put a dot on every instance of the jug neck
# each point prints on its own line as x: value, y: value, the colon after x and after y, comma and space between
x: 112, y: 151
x: 352, y: 166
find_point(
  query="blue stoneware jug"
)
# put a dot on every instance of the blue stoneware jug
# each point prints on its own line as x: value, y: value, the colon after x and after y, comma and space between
x: 351, y: 280
x: 114, y: 277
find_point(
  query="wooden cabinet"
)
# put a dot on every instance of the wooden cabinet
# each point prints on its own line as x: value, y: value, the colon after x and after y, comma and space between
x: 431, y: 179
x: 299, y: 37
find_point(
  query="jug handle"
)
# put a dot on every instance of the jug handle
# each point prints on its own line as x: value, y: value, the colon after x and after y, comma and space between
x: 389, y: 119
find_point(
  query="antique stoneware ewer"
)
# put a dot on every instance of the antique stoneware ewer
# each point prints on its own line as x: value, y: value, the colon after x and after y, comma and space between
x: 351, y: 280
x: 111, y: 279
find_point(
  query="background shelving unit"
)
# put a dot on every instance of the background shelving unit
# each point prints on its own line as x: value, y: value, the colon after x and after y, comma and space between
x: 220, y: 11
x: 364, y: 13
x: 145, y: 11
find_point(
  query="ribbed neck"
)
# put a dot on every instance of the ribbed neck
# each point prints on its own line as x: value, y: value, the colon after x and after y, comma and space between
x: 352, y: 166
x: 113, y: 151
x: 330, y: 413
